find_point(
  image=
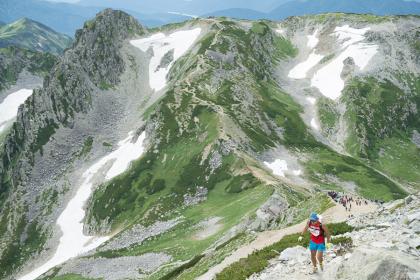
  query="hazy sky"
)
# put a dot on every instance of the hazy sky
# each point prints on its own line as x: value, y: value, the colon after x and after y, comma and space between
x: 74, y: 1
x: 68, y: 1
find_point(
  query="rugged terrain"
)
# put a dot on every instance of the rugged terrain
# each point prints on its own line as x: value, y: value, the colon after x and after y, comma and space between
x: 384, y: 246
x: 155, y: 153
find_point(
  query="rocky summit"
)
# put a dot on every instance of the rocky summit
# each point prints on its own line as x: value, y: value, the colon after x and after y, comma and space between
x: 197, y: 150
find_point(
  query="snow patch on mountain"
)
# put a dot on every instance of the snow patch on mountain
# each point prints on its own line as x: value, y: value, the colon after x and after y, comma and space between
x: 73, y: 242
x: 311, y: 100
x: 10, y: 105
x: 300, y: 70
x: 328, y: 79
x: 313, y: 40
x: 279, y: 168
x: 281, y: 31
x: 314, y: 124
x: 161, y: 44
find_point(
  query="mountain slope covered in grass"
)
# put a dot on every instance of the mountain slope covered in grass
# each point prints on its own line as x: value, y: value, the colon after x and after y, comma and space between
x: 160, y: 151
x: 32, y: 35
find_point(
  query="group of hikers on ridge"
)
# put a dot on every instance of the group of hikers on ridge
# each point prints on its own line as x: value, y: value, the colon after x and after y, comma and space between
x: 317, y: 244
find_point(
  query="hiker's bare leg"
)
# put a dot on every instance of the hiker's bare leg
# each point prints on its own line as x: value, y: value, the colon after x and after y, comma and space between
x: 320, y: 257
x: 313, y: 257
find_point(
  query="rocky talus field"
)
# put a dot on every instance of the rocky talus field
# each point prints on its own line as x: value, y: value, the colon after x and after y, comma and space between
x: 158, y: 153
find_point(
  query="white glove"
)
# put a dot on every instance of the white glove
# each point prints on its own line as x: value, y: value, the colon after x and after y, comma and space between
x: 300, y: 238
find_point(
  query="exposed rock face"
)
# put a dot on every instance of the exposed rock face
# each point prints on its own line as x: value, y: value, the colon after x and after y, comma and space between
x: 273, y: 210
x: 14, y: 60
x: 117, y: 268
x: 390, y: 269
x: 97, y: 45
x: 138, y: 233
x: 199, y: 196
x: 166, y: 60
x: 95, y: 62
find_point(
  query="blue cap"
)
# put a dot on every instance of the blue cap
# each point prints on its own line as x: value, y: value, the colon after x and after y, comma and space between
x: 313, y: 217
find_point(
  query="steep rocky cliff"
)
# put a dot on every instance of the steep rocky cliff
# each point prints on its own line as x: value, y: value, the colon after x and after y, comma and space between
x: 14, y: 60
x: 26, y: 169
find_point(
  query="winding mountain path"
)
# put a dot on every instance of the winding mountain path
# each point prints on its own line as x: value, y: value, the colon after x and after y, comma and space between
x: 334, y: 214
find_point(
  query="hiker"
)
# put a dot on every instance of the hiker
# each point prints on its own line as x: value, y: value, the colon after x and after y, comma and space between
x: 317, y: 243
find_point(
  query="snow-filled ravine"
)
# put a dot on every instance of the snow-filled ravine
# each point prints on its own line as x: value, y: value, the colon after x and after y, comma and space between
x: 300, y: 70
x: 328, y: 78
x: 10, y: 105
x: 73, y: 242
x: 162, y: 45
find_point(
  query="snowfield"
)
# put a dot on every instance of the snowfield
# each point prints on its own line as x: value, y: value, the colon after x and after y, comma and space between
x: 280, y: 31
x: 161, y: 45
x: 73, y: 242
x: 311, y: 100
x: 314, y: 124
x: 312, y: 40
x: 279, y: 167
x: 328, y: 79
x: 10, y: 105
x: 300, y: 70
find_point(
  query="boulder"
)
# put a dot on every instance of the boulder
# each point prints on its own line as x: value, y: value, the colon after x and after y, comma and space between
x: 415, y: 226
x: 414, y: 216
x: 296, y: 254
x: 390, y: 269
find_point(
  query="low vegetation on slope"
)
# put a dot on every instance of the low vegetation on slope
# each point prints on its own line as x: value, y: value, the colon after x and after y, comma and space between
x: 384, y: 117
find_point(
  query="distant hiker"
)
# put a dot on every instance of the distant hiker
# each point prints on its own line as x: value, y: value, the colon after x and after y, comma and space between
x: 317, y: 243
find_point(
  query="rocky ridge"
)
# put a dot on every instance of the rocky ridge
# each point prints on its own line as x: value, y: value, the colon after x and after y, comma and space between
x: 14, y: 60
x: 31, y: 161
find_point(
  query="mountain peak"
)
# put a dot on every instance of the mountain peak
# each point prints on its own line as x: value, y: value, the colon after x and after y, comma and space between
x: 110, y: 23
x: 99, y: 41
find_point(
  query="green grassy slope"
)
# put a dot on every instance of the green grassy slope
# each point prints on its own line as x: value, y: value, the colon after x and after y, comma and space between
x: 29, y: 34
x: 382, y: 118
x: 216, y: 103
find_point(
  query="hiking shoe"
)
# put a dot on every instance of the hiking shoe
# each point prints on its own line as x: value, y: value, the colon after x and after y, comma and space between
x: 314, y: 270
